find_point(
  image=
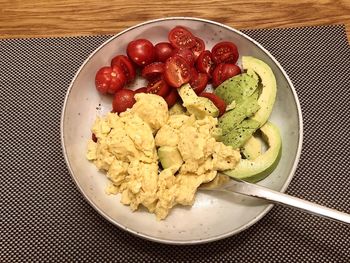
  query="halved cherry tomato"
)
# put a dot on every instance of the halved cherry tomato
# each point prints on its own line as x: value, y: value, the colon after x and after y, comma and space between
x: 110, y: 79
x: 180, y: 37
x: 177, y: 71
x: 141, y: 90
x: 163, y: 51
x: 223, y: 72
x: 205, y: 63
x: 93, y: 137
x: 171, y: 98
x: 126, y: 65
x: 159, y: 87
x: 141, y: 52
x: 225, y: 52
x: 123, y: 99
x: 186, y: 53
x: 219, y: 102
x: 198, y: 81
x: 198, y: 48
x: 153, y: 70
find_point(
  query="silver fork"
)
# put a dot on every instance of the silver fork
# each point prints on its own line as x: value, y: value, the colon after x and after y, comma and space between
x: 249, y: 189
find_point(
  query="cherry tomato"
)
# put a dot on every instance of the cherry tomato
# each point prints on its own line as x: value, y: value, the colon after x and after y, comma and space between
x: 159, y: 87
x: 223, y: 72
x: 198, y: 48
x: 153, y: 70
x: 187, y: 54
x: 180, y: 37
x: 177, y: 71
x: 225, y: 52
x: 219, y: 102
x: 123, y: 99
x: 110, y: 79
x: 93, y: 137
x: 198, y: 81
x: 205, y: 63
x: 141, y: 52
x: 163, y: 51
x: 141, y: 90
x: 171, y: 98
x: 126, y: 65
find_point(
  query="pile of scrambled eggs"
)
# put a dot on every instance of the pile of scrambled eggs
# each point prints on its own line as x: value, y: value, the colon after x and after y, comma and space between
x: 126, y: 149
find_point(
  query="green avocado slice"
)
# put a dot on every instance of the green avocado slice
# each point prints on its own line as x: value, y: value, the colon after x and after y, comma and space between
x: 251, y: 149
x: 169, y: 156
x: 267, y: 96
x: 239, y: 134
x: 257, y: 169
x: 238, y: 88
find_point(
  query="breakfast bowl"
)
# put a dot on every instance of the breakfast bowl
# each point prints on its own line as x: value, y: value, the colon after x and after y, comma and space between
x: 213, y: 215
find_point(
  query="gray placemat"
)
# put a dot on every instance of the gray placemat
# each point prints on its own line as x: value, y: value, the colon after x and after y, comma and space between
x: 45, y: 218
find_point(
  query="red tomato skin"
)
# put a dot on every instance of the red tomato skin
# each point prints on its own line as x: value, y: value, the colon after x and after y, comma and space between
x: 126, y: 65
x: 205, y: 63
x: 93, y: 137
x: 198, y: 81
x: 223, y: 72
x: 198, y: 48
x: 180, y: 37
x: 185, y: 53
x: 225, y: 52
x: 108, y: 80
x: 163, y: 51
x: 123, y: 99
x: 153, y: 70
x: 171, y: 98
x: 141, y: 90
x: 159, y: 87
x: 177, y: 71
x: 141, y: 52
x: 219, y: 102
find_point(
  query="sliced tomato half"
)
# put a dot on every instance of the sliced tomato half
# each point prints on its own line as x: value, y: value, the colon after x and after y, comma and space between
x: 177, y: 71
x: 180, y: 37
x: 219, y: 102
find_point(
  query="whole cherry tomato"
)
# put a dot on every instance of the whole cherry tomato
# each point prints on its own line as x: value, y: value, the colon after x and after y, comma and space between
x: 163, y: 51
x: 110, y: 79
x: 123, y: 99
x: 141, y: 52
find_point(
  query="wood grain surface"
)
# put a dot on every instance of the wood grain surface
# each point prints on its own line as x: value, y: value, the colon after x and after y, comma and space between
x: 42, y: 18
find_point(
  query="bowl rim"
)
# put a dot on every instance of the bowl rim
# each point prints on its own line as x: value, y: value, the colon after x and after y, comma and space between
x: 196, y: 241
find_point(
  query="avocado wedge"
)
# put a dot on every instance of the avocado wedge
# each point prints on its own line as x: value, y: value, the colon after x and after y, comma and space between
x: 257, y: 169
x: 267, y: 96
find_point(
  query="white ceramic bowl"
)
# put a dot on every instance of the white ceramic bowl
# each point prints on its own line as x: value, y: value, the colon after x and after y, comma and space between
x: 214, y: 215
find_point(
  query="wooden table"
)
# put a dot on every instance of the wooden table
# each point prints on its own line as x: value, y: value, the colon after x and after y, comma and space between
x: 41, y: 18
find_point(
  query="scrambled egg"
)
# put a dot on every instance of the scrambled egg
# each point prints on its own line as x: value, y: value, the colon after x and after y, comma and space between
x: 126, y: 149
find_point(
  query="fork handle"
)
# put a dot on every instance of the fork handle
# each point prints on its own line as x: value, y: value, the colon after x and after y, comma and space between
x: 291, y: 201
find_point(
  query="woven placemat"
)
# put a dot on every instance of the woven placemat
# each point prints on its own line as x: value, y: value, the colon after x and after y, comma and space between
x: 45, y: 218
